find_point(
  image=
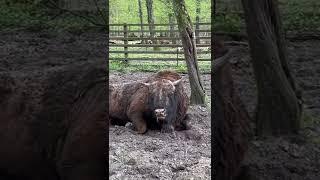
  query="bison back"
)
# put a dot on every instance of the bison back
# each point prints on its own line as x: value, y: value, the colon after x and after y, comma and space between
x: 165, y: 74
x: 120, y: 97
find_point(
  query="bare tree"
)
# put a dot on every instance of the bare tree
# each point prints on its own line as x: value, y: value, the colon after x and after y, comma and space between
x: 198, y: 3
x: 141, y: 17
x: 149, y: 4
x: 279, y: 99
x: 188, y: 41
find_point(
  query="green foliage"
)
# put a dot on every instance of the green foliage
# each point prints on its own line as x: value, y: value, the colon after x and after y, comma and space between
x: 123, y: 12
x: 228, y: 23
x: 32, y: 14
x: 297, y: 15
x: 301, y: 15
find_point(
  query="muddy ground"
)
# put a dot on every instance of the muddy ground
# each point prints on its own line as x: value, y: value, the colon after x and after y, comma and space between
x: 156, y: 155
x: 295, y: 157
x: 38, y: 51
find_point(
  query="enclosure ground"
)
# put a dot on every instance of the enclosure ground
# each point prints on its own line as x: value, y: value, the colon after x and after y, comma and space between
x: 23, y: 50
x: 293, y: 157
x: 156, y: 155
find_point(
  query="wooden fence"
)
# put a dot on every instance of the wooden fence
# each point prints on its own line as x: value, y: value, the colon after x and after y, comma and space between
x: 166, y: 36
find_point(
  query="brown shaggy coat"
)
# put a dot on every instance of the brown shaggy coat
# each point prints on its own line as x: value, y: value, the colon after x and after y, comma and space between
x: 131, y: 102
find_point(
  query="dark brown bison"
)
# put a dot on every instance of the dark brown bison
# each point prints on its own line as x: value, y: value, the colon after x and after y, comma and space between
x: 159, y: 102
x: 53, y: 123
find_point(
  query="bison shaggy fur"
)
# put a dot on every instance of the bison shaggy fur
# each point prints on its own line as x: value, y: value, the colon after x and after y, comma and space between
x: 159, y: 102
x: 53, y: 123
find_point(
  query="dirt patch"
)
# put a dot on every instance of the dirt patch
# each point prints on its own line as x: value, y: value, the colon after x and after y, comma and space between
x: 304, y: 59
x: 156, y: 155
x: 28, y: 51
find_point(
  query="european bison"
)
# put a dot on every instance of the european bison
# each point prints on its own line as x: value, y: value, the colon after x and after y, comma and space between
x: 53, y: 123
x: 159, y: 102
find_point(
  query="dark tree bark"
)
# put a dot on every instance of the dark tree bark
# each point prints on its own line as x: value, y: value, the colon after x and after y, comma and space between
x: 214, y: 7
x: 149, y: 4
x: 141, y: 18
x: 198, y: 21
x: 279, y: 99
x: 231, y: 119
x: 171, y: 22
x: 190, y: 53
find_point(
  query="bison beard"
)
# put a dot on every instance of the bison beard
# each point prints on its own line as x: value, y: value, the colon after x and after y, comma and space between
x: 157, y: 103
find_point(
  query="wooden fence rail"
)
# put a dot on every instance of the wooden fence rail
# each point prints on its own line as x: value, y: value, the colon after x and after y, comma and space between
x: 127, y: 38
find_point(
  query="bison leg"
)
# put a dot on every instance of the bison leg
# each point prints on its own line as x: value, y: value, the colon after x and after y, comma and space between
x: 167, y: 128
x: 135, y: 112
x: 139, y: 122
x: 184, y: 124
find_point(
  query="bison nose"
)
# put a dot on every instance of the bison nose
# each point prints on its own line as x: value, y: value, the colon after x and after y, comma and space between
x: 160, y: 113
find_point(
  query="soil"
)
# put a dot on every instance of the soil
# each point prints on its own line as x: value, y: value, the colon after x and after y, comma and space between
x: 37, y: 51
x: 294, y: 157
x: 156, y: 155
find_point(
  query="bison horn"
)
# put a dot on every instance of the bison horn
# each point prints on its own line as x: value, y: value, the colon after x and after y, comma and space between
x: 177, y: 82
x: 147, y: 84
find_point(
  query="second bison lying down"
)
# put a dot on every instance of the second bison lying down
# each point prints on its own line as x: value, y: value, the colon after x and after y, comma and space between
x: 160, y: 102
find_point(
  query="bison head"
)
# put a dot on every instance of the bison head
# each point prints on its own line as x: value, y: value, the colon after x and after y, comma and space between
x: 163, y: 102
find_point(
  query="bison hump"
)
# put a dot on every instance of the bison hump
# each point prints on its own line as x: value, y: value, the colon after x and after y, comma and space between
x: 165, y: 74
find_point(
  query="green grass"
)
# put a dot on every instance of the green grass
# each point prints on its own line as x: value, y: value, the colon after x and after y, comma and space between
x: 154, y: 66
x: 151, y: 55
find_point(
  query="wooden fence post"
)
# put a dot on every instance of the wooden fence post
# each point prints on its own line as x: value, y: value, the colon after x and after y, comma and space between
x: 125, y: 41
x: 177, y: 57
x: 197, y: 30
x: 171, y: 29
x: 125, y: 36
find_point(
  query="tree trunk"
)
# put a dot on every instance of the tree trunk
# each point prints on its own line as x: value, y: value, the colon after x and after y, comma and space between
x: 172, y: 33
x: 141, y: 18
x: 189, y: 46
x: 279, y: 100
x: 198, y: 21
x: 149, y: 4
x: 230, y: 121
x: 214, y: 7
